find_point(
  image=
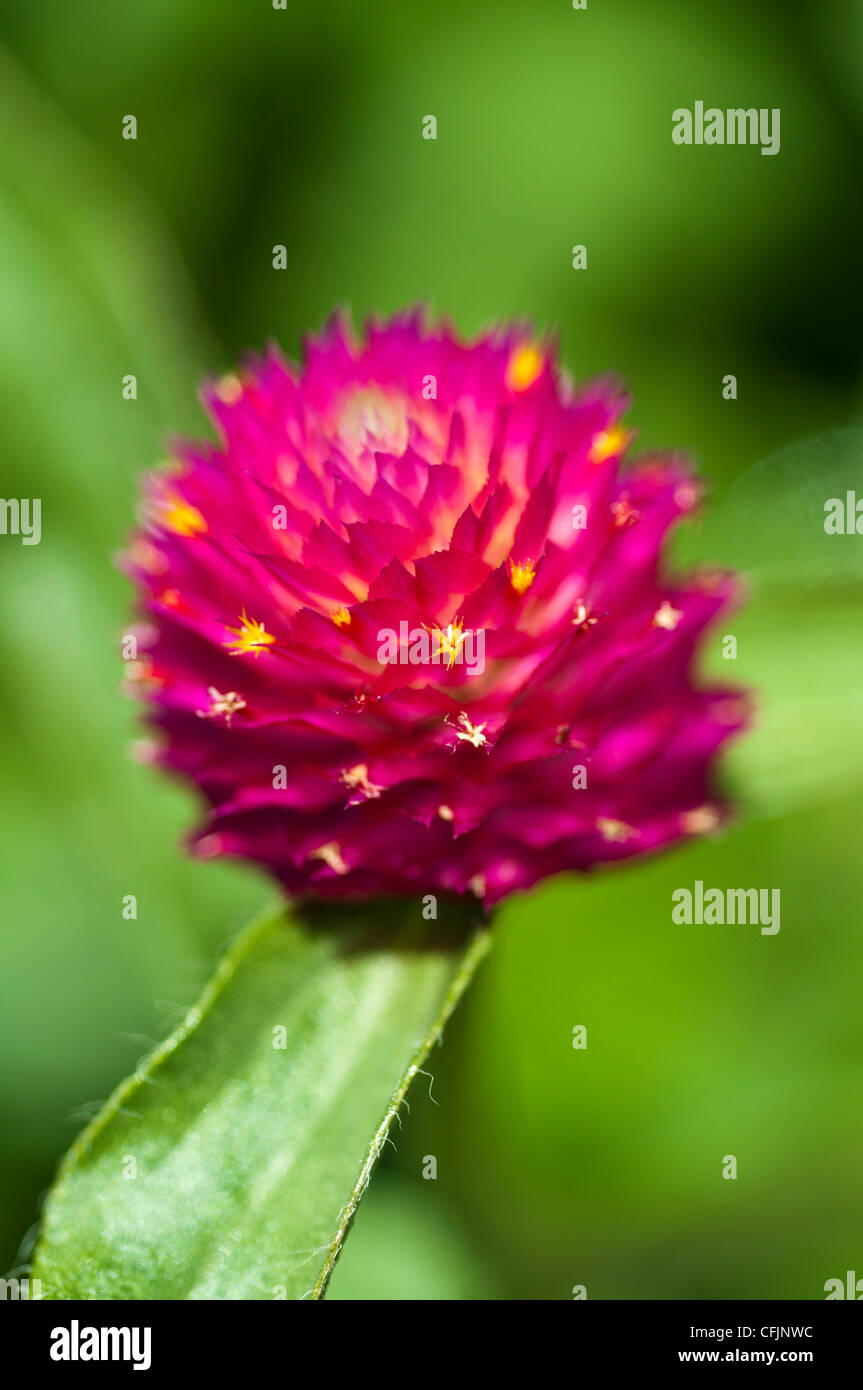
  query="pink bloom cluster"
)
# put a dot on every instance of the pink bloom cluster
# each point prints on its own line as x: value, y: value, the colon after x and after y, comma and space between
x: 411, y: 481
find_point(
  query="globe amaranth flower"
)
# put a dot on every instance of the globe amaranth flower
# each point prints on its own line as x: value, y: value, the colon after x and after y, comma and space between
x: 407, y: 627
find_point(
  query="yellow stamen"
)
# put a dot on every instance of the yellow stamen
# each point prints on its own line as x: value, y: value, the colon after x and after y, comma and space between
x: 524, y: 367
x: 667, y: 617
x: 341, y: 616
x: 607, y: 443
x: 445, y: 812
x: 357, y: 778
x: 563, y: 737
x: 140, y: 676
x: 228, y: 705
x: 229, y: 389
x: 470, y: 733
x: 209, y: 846
x: 615, y: 831
x: 179, y: 516
x: 450, y: 640
x: 251, y: 637
x: 147, y: 557
x: 624, y: 514
x: 703, y: 820
x: 581, y: 617
x: 686, y: 496
x: 331, y: 855
x: 170, y: 598
x: 522, y: 576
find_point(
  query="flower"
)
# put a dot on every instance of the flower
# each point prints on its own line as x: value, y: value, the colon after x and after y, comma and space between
x: 418, y: 486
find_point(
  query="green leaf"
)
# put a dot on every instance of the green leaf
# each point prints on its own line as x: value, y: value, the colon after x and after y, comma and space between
x: 804, y: 597
x: 771, y: 524
x: 230, y: 1166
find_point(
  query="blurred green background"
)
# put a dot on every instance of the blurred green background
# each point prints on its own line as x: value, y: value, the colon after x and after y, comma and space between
x: 302, y: 126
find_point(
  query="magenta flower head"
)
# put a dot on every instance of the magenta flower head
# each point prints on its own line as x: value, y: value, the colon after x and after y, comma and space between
x: 407, y: 626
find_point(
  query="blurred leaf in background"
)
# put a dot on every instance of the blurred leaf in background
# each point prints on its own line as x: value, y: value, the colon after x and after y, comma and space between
x: 91, y: 291
x: 302, y: 127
